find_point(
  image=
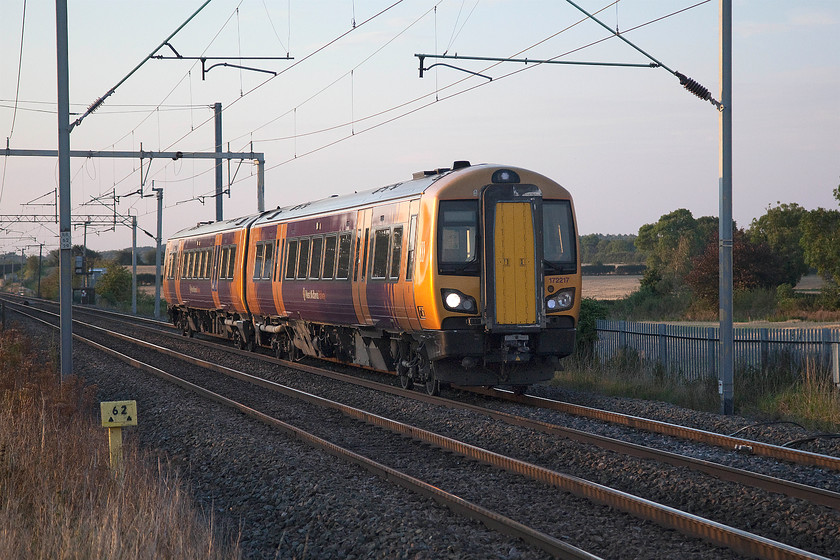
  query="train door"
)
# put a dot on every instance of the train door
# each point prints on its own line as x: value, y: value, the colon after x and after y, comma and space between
x: 512, y: 237
x: 214, y: 271
x: 360, y: 271
x: 410, y: 257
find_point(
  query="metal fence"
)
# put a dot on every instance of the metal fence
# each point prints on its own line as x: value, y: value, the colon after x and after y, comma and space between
x: 692, y: 352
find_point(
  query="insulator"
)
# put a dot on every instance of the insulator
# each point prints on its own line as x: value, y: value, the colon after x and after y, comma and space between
x: 694, y: 87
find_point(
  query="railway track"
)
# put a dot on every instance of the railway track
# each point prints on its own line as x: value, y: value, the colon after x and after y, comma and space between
x: 740, y: 541
x: 724, y: 441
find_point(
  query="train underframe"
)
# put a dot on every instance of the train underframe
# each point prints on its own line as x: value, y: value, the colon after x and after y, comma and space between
x: 430, y: 358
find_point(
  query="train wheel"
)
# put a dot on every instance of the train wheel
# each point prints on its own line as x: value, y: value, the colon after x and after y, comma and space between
x: 237, y: 340
x: 184, y: 323
x: 432, y: 387
x: 406, y: 382
x: 427, y: 372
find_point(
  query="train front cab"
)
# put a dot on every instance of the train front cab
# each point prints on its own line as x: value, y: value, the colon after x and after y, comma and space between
x: 514, y: 315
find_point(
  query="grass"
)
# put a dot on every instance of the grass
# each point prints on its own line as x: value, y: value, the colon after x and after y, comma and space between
x: 811, y: 400
x: 785, y: 391
x: 58, y: 496
x: 628, y: 376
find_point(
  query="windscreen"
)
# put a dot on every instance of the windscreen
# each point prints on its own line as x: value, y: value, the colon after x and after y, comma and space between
x: 457, y: 237
x: 559, y: 243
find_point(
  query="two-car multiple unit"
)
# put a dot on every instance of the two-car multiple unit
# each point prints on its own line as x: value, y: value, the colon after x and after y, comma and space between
x: 468, y: 276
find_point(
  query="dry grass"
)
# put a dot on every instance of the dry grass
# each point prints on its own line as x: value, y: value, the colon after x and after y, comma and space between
x: 58, y: 497
x: 813, y: 400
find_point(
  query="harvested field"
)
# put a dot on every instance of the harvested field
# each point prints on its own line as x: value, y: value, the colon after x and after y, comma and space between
x: 610, y: 286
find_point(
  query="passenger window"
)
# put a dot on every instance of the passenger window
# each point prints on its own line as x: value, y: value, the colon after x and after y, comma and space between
x: 279, y: 261
x: 396, y: 250
x: 258, y: 261
x: 227, y: 255
x: 223, y: 264
x: 192, y: 265
x: 381, y: 239
x: 315, y: 261
x: 329, y: 257
x: 343, y: 269
x: 291, y: 260
x: 268, y: 265
x: 231, y: 261
x: 303, y: 259
x: 409, y: 257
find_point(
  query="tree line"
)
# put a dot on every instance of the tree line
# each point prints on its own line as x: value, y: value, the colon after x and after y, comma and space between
x: 777, y: 249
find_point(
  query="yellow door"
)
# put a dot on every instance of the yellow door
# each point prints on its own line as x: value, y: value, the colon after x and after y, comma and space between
x: 515, y: 289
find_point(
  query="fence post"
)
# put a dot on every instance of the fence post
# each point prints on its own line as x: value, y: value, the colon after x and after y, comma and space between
x: 663, y: 347
x: 622, y: 335
x: 711, y: 341
x: 764, y: 349
x: 835, y: 363
x: 825, y: 347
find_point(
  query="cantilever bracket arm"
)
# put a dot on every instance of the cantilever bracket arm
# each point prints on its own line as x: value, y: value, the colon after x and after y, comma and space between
x: 453, y: 67
x: 205, y: 70
x: 422, y: 57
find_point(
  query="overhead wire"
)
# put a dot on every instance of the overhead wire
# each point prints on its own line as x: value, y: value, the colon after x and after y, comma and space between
x: 297, y: 62
x: 414, y: 110
x: 17, y: 95
x: 482, y: 84
x: 279, y: 40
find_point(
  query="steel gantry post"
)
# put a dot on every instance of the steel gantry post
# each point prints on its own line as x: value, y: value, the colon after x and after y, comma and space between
x: 65, y: 233
x: 217, y: 111
x: 134, y: 265
x: 158, y: 240
x: 727, y: 339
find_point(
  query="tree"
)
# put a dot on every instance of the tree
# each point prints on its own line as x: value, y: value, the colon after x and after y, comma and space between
x: 672, y: 243
x: 821, y: 241
x: 754, y: 265
x: 115, y: 285
x: 780, y: 229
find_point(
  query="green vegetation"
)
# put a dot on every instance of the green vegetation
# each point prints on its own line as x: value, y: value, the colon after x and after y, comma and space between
x: 680, y: 283
x: 113, y: 288
x: 598, y: 249
x: 58, y: 497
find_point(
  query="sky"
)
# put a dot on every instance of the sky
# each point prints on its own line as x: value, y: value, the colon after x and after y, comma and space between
x: 350, y: 112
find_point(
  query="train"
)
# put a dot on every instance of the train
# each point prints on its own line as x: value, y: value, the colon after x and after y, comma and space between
x: 468, y: 275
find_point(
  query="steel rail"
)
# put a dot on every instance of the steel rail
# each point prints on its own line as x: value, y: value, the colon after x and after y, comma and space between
x: 489, y: 518
x: 683, y: 432
x: 738, y: 540
x: 810, y: 494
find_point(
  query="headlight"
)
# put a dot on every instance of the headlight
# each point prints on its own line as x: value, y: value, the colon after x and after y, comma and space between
x: 453, y: 300
x: 561, y: 301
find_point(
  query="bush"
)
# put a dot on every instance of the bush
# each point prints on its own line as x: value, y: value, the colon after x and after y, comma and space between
x: 630, y: 269
x: 597, y: 268
x: 590, y: 311
x: 115, y: 285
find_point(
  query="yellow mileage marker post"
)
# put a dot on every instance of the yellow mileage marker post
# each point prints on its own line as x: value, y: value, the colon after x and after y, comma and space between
x: 115, y: 415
